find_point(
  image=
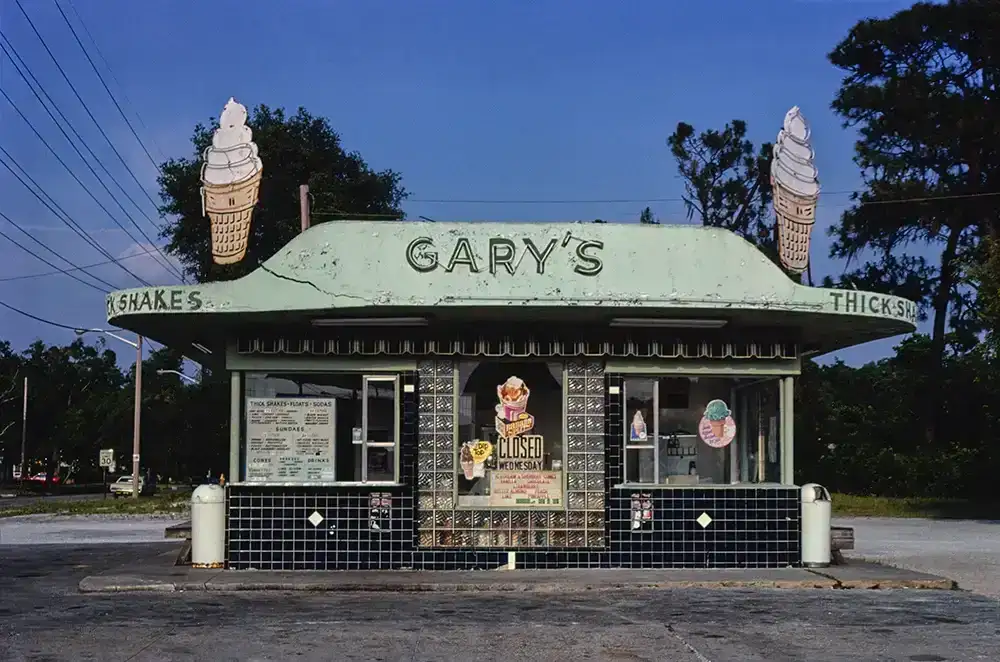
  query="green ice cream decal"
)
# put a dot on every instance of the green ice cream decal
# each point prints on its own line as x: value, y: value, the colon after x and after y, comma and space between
x: 717, y: 411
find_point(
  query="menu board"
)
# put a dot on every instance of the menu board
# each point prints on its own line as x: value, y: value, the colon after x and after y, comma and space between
x: 290, y: 440
x: 513, y: 489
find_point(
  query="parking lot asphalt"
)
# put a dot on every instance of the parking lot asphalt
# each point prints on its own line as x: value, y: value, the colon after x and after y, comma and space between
x: 44, y: 617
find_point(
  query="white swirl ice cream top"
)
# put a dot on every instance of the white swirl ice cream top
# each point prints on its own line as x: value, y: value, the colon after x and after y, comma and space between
x: 793, y: 166
x: 232, y: 156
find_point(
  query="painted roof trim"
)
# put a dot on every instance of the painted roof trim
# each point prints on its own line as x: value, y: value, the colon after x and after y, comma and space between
x: 347, y: 265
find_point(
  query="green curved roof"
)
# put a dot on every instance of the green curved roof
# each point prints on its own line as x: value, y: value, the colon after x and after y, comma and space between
x: 368, y: 268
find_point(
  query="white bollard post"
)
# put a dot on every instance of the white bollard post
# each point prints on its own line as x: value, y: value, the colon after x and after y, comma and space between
x: 208, y: 527
x: 816, y: 514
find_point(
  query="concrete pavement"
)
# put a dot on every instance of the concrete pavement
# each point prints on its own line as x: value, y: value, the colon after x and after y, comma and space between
x: 82, y: 529
x: 44, y: 617
x: 967, y: 551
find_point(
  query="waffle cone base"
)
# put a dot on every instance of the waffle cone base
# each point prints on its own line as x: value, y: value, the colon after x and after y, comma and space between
x: 796, y: 216
x: 230, y: 210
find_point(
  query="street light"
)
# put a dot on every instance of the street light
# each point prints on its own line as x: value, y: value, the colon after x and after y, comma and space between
x: 138, y: 400
x: 180, y: 374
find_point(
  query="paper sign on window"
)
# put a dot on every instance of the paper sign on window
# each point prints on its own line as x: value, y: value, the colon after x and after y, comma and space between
x: 642, y: 510
x: 379, y: 511
x: 637, y: 431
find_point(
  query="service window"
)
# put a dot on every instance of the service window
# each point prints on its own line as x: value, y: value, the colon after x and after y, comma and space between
x: 701, y: 430
x: 509, y: 432
x: 321, y: 428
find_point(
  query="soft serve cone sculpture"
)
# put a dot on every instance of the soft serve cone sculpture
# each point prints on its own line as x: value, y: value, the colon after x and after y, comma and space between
x: 230, y: 178
x: 795, y: 186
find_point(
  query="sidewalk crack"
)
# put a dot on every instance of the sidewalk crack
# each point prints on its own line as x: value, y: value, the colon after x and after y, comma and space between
x: 837, y: 584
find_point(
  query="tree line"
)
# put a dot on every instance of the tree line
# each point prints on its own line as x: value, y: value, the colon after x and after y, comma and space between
x: 79, y: 402
x: 920, y: 90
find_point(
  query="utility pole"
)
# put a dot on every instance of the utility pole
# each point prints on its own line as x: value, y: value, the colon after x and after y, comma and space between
x: 304, y: 206
x: 24, y: 431
x: 136, y: 422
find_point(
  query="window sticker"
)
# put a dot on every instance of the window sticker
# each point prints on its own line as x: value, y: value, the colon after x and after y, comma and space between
x: 473, y: 457
x: 717, y: 427
x: 512, y: 415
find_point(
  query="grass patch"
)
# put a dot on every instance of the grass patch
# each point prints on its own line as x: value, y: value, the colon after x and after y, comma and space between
x: 852, y: 505
x: 160, y: 504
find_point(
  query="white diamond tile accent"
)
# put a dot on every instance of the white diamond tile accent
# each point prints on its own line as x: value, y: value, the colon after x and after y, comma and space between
x: 704, y: 520
x: 315, y: 519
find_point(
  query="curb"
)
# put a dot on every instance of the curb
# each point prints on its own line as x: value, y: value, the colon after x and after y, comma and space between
x: 920, y: 580
x: 124, y: 585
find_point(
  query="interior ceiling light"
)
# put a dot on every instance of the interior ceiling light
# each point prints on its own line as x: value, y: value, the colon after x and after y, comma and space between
x: 371, y: 321
x: 667, y: 323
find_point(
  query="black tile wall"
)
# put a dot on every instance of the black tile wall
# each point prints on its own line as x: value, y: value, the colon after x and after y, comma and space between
x: 269, y: 527
x: 739, y: 528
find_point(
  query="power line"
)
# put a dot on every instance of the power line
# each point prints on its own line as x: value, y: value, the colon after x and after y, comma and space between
x: 637, y: 201
x: 121, y: 87
x: 74, y: 227
x: 349, y: 215
x: 82, y: 102
x: 68, y: 219
x: 75, y: 329
x: 106, y: 88
x: 11, y: 55
x: 81, y: 268
x: 39, y: 319
x: 42, y: 259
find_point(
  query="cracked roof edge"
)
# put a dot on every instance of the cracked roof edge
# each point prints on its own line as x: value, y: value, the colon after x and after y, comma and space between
x: 364, y: 268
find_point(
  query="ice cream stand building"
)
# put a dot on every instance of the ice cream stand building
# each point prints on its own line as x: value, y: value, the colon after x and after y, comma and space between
x: 459, y: 395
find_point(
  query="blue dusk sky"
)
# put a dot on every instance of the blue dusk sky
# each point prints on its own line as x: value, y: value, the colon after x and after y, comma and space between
x: 467, y: 99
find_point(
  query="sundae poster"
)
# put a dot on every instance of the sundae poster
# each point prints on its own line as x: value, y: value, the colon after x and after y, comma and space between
x: 512, y: 416
x: 717, y: 427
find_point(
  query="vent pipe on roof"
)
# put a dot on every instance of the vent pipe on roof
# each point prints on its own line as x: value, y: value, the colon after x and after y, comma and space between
x: 304, y: 206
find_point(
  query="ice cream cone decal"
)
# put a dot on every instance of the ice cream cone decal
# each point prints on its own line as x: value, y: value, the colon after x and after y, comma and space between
x: 717, y: 427
x: 473, y: 456
x: 795, y: 187
x: 230, y: 177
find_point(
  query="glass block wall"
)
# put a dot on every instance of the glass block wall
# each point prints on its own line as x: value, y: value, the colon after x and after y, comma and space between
x: 436, y: 454
x: 585, y: 453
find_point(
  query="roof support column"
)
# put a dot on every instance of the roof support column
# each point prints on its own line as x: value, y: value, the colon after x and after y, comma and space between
x: 235, y: 423
x: 787, y: 435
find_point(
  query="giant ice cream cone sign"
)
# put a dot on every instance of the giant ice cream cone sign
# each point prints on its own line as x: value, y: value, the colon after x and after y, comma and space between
x: 795, y: 187
x: 230, y: 177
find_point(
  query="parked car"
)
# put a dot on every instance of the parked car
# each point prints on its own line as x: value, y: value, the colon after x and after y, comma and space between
x: 40, y: 478
x: 123, y: 487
